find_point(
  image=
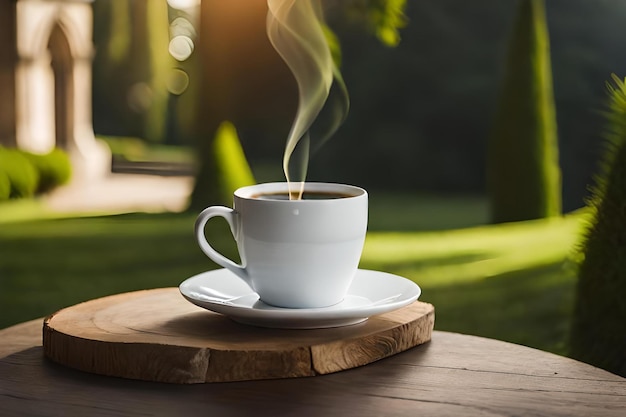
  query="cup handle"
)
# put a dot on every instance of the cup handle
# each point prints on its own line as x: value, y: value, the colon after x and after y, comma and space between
x: 230, y: 216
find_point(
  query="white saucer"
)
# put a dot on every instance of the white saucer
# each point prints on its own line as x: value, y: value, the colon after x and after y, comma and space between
x: 371, y: 293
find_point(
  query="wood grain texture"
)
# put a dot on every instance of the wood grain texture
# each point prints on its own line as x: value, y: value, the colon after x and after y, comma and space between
x: 19, y: 337
x: 156, y: 335
x: 452, y: 375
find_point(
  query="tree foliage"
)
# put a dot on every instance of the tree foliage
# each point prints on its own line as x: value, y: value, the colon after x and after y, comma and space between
x: 383, y: 18
x: 523, y: 172
x: 131, y: 67
x: 599, y: 325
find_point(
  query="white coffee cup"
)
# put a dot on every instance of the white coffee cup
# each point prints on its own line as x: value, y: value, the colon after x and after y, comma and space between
x: 294, y: 253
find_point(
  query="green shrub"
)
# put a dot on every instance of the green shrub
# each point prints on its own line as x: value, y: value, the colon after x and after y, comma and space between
x: 54, y: 169
x: 598, y: 335
x: 233, y: 168
x: 22, y: 174
x: 25, y: 174
x: 523, y: 174
x: 5, y: 186
x: 223, y: 169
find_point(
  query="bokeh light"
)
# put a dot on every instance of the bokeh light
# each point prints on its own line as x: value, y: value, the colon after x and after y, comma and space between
x: 183, y: 4
x: 140, y: 97
x: 177, y: 82
x: 181, y: 47
x: 182, y: 26
x: 182, y: 34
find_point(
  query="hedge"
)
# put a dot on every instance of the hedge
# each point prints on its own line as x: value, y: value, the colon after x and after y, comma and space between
x: 54, y: 169
x: 25, y: 174
x: 5, y: 186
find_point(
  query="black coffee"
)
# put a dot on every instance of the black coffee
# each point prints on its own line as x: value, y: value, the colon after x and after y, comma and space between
x: 308, y: 195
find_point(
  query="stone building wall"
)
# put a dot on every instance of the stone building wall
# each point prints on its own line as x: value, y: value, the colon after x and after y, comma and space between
x: 49, y: 74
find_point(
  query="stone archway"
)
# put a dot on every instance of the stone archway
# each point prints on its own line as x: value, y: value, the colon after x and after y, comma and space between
x: 51, y: 51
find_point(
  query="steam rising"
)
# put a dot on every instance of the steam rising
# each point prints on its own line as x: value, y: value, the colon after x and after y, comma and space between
x: 296, y: 30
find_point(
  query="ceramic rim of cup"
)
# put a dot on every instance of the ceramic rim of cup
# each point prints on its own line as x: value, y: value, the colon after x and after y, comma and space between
x: 348, y: 191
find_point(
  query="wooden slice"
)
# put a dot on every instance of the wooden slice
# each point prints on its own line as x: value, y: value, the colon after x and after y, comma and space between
x: 156, y: 335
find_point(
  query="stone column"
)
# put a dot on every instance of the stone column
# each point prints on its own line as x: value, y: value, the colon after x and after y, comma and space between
x: 90, y: 157
x: 35, y: 104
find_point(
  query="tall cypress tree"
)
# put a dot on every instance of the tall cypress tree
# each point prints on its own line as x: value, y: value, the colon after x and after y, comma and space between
x: 599, y: 324
x: 523, y: 174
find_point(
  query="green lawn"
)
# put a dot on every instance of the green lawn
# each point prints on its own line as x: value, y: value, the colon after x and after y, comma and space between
x: 509, y: 282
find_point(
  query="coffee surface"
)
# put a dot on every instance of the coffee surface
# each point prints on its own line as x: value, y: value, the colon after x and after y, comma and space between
x: 308, y: 195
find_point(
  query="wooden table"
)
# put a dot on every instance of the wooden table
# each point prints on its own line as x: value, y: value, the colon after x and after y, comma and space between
x: 454, y: 374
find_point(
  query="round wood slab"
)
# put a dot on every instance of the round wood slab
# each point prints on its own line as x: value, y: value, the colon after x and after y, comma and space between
x: 156, y: 335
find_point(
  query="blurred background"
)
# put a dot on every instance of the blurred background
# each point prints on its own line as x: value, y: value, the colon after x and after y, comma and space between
x: 420, y: 111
